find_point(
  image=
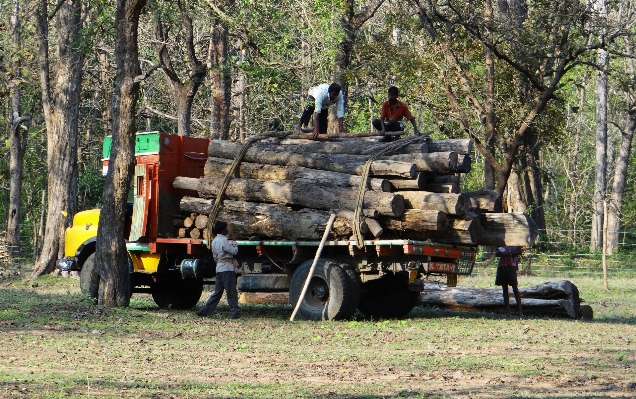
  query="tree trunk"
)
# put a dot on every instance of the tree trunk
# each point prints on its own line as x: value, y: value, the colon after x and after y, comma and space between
x: 508, y: 229
x: 61, y: 113
x: 574, y: 171
x: 218, y: 167
x: 516, y: 199
x: 489, y: 103
x: 600, y: 183
x: 335, y: 163
x: 220, y: 77
x: 462, y: 230
x: 557, y: 298
x: 298, y: 192
x: 352, y: 147
x: 620, y: 178
x: 534, y: 186
x: 110, y: 254
x: 417, y: 221
x: 451, y: 204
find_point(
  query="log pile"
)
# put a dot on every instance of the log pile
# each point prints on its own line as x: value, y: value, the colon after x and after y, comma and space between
x: 285, y: 188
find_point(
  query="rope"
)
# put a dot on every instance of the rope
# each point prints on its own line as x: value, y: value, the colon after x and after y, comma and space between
x: 396, y: 145
x: 226, y: 182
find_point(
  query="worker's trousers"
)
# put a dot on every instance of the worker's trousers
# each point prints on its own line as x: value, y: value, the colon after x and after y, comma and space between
x: 225, y: 281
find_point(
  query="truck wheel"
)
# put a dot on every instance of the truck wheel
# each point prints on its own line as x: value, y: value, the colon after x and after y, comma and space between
x: 177, y: 293
x: 329, y: 294
x: 356, y: 289
x: 387, y: 298
x: 89, y: 277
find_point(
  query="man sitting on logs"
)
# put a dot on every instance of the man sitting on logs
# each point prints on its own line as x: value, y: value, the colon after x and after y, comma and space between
x: 507, y: 275
x: 318, y: 101
x: 391, y: 115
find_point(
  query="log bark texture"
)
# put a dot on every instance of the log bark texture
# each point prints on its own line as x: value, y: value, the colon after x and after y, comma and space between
x: 297, y: 192
x: 460, y: 146
x: 451, y: 204
x: 352, y: 147
x: 485, y: 200
x: 218, y: 167
x: 335, y: 163
x: 417, y: 183
x: 508, y: 229
x: 417, y: 220
x: 442, y: 188
x: 462, y: 230
x: 557, y: 298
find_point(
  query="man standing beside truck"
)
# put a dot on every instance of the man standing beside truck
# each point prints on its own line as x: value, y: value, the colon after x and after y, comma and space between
x: 223, y: 251
x: 507, y: 275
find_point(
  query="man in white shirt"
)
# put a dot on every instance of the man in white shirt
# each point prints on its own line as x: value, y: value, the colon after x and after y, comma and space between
x: 319, y: 100
x: 223, y: 251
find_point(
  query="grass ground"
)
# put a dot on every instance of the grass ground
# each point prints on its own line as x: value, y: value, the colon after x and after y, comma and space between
x: 56, y: 344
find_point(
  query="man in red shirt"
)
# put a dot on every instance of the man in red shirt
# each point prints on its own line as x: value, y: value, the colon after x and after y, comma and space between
x: 391, y: 115
x: 507, y: 275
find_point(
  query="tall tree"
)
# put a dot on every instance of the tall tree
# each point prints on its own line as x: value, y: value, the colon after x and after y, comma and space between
x: 182, y: 92
x: 111, y: 257
x: 17, y: 137
x: 600, y: 179
x: 60, y: 102
x: 614, y: 210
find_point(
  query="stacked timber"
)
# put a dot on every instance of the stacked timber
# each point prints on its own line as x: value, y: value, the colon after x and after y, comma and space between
x: 286, y: 188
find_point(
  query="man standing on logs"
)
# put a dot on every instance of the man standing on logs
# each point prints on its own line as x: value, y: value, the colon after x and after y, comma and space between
x: 507, y: 275
x: 319, y: 99
x: 391, y: 115
x: 223, y: 251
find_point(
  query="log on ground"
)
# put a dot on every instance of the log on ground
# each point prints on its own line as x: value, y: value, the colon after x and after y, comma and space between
x: 559, y: 298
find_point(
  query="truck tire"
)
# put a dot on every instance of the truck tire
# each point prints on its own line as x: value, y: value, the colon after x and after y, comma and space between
x: 356, y: 289
x: 329, y: 294
x: 89, y: 277
x: 387, y: 298
x: 177, y: 293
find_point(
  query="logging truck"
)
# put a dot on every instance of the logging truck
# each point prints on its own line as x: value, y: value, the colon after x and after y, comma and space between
x: 169, y: 257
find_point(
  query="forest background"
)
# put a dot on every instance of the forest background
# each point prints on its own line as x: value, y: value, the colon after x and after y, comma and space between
x: 545, y: 89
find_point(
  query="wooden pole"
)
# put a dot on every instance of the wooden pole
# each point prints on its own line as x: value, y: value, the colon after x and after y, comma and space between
x: 604, y: 256
x: 313, y: 266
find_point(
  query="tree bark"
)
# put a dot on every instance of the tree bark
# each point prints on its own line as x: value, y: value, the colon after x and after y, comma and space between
x: 451, y: 204
x: 416, y: 221
x: 17, y: 141
x: 508, y: 229
x: 462, y: 230
x: 335, y: 163
x: 182, y: 93
x: 298, y: 192
x: 219, y: 167
x: 221, y: 80
x: 460, y: 146
x: 352, y: 147
x: 417, y: 183
x: 485, y: 201
x: 110, y: 254
x: 600, y: 179
x: 61, y: 113
x: 557, y: 298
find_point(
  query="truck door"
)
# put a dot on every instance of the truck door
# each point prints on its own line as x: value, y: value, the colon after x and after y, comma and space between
x: 142, y: 195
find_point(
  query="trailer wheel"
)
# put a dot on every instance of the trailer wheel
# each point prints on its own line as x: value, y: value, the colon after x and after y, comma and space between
x: 177, y: 293
x: 356, y: 289
x: 387, y: 298
x: 89, y: 277
x: 329, y: 295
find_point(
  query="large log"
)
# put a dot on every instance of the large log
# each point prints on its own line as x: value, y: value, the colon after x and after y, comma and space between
x: 218, y: 167
x: 485, y: 201
x: 297, y: 192
x: 508, y: 229
x: 351, y: 164
x: 272, y: 221
x: 416, y: 220
x: 442, y: 188
x: 438, y: 162
x: 460, y: 146
x: 442, y: 179
x: 464, y: 163
x: 462, y: 230
x: 451, y: 204
x: 557, y: 298
x: 416, y: 183
x: 352, y: 147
